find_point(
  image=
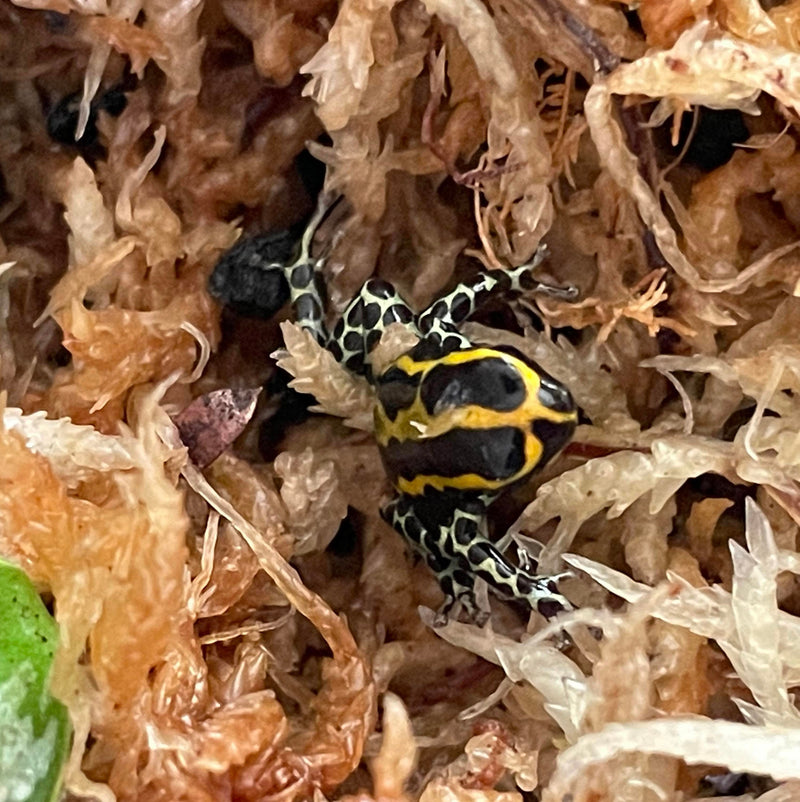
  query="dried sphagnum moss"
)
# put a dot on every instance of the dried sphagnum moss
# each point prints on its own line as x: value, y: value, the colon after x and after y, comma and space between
x: 196, y: 661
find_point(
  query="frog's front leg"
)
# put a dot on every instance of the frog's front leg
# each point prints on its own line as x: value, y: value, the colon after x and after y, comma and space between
x: 446, y: 314
x: 376, y: 306
x: 485, y: 561
x: 457, y: 584
x: 460, y: 553
x: 481, y: 558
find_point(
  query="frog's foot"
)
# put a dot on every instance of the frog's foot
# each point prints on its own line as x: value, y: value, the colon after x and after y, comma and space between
x: 542, y: 593
x: 457, y: 584
x: 458, y: 553
x: 459, y: 589
x: 445, y: 314
x: 474, y: 613
x: 482, y: 559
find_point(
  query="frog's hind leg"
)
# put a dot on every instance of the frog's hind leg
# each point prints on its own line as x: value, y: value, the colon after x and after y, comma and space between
x: 447, y: 313
x: 305, y: 280
x: 376, y: 306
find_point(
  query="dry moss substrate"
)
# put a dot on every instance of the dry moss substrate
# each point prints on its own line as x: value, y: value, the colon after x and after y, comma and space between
x: 218, y: 639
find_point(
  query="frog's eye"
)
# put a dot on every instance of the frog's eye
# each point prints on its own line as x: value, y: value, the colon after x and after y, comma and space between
x: 489, y: 382
x: 554, y: 395
x: 552, y: 435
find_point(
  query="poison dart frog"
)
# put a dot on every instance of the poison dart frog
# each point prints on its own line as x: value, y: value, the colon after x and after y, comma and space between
x: 457, y: 422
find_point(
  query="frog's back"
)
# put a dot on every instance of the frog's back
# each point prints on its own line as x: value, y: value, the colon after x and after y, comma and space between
x: 475, y: 419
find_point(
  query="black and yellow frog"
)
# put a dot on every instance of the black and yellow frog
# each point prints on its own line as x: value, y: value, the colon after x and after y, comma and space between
x: 457, y: 422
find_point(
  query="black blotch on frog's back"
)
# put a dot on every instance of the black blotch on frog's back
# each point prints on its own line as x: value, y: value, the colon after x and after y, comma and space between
x: 491, y: 383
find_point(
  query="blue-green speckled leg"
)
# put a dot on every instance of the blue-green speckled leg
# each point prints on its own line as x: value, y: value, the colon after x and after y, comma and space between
x: 305, y: 281
x: 456, y: 583
x: 447, y: 313
x: 376, y: 306
x: 458, y: 552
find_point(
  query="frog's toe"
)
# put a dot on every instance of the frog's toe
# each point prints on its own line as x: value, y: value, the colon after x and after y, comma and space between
x: 543, y: 595
x: 479, y: 617
x: 466, y: 601
x: 551, y: 606
x: 442, y: 615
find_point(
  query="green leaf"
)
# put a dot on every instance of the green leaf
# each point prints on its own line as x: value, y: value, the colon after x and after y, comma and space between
x: 34, y: 727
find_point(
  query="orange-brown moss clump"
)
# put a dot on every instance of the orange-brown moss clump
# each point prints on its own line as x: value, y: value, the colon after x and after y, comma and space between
x: 254, y: 630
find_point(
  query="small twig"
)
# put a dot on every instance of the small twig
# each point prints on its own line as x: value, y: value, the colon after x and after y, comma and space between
x: 427, y: 133
x: 491, y: 256
x: 640, y: 140
x: 679, y: 158
x: 637, y: 134
x: 470, y: 178
x: 606, y: 59
x: 654, y: 256
x: 569, y: 81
